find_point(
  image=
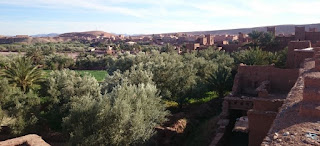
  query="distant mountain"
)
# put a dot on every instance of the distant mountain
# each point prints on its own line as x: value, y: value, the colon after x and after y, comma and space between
x: 46, y: 35
x: 280, y: 29
x: 87, y: 34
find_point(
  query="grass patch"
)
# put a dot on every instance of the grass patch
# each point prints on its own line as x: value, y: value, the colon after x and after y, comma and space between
x: 172, y: 104
x: 209, y: 96
x: 100, y: 75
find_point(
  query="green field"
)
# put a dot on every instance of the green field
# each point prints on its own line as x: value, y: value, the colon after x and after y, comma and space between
x: 100, y: 75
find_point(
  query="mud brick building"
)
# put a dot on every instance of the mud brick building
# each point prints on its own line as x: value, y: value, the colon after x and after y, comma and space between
x: 281, y: 105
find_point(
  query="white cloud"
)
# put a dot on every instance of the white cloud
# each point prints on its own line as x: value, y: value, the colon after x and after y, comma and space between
x: 161, y: 26
x: 75, y: 4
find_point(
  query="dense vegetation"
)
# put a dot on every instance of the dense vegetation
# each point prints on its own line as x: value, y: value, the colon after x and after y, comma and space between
x: 129, y: 100
x: 263, y: 40
x: 59, y: 47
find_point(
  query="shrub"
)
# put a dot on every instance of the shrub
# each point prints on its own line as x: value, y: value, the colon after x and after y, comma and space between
x: 130, y: 114
x: 56, y: 61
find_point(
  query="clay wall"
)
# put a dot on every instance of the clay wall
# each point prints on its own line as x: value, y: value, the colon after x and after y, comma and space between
x: 317, y: 44
x: 313, y: 29
x: 231, y: 48
x: 267, y: 104
x: 291, y: 47
x: 311, y: 95
x: 210, y: 39
x: 300, y: 56
x: 241, y: 37
x: 259, y: 123
x: 13, y: 40
x: 239, y: 104
x: 272, y: 30
x: 231, y: 38
x: 219, y: 38
x: 284, y: 40
x: 249, y: 78
x: 220, y: 43
x: 203, y: 41
x: 261, y: 118
x: 192, y: 46
x: 312, y: 36
x: 30, y: 140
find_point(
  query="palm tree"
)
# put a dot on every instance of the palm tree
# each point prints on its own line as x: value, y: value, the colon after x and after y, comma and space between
x: 2, y: 65
x: 36, y: 55
x: 255, y: 38
x: 221, y: 80
x: 23, y: 74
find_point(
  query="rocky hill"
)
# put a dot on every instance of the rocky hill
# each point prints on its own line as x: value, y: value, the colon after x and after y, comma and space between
x: 87, y: 34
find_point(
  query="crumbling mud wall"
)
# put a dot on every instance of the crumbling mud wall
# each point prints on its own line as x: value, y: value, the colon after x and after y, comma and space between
x: 312, y: 36
x: 261, y: 118
x: 291, y: 47
x: 28, y: 140
x: 298, y: 119
x: 13, y: 40
x: 300, y: 56
x: 249, y: 78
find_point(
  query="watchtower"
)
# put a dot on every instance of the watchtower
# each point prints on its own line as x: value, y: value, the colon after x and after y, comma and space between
x: 300, y: 33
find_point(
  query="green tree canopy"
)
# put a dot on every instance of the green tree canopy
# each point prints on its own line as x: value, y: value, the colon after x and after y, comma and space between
x: 61, y: 86
x: 263, y: 40
x: 126, y: 116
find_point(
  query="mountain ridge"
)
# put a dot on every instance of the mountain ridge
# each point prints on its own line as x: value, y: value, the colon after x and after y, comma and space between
x: 280, y: 29
x: 87, y: 33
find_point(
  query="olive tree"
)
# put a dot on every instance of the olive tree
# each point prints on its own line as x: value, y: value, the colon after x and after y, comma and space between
x: 136, y: 75
x: 21, y: 107
x: 126, y: 116
x: 61, y: 86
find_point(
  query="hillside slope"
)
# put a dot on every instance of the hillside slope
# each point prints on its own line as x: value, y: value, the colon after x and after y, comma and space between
x: 87, y: 34
x: 280, y: 29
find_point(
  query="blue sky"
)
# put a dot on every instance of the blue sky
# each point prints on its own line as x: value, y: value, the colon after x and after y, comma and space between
x: 150, y: 16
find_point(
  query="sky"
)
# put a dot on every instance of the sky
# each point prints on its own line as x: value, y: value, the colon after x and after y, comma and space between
x: 31, y: 17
